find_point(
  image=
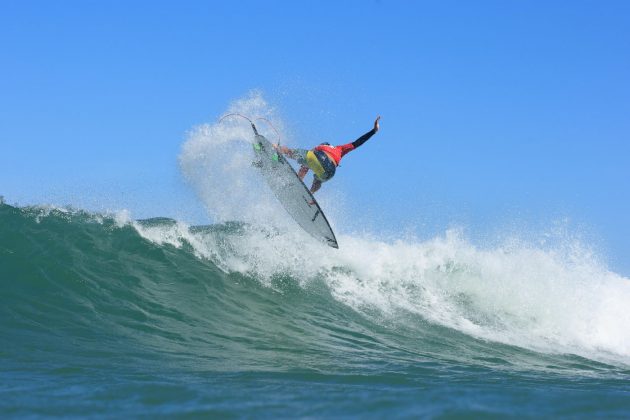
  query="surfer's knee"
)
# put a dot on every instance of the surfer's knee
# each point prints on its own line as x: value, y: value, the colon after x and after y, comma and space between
x: 303, y: 171
x: 317, y: 184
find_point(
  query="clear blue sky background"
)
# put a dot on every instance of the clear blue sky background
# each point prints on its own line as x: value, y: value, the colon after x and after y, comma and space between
x: 496, y: 114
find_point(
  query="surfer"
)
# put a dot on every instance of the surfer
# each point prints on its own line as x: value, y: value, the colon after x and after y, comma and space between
x: 324, y: 159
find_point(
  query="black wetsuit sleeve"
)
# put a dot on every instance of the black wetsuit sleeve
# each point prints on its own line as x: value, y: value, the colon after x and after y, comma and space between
x: 358, y: 142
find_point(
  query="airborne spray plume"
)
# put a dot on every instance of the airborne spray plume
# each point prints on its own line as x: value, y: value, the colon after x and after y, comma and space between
x: 216, y: 160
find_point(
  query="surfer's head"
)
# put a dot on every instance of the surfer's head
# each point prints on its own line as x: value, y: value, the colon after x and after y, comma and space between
x: 324, y: 144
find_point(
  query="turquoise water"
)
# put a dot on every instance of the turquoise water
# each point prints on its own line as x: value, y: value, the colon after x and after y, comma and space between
x: 101, y: 314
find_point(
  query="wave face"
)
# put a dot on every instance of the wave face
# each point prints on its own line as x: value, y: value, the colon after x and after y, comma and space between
x: 157, y: 317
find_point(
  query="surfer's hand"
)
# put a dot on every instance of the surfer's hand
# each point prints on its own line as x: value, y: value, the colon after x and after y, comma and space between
x: 282, y: 149
x: 376, y: 127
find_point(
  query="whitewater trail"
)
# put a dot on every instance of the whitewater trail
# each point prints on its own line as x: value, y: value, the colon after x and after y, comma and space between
x: 543, y: 300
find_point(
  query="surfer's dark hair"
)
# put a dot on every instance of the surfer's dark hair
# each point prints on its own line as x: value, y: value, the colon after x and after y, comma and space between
x: 324, y: 144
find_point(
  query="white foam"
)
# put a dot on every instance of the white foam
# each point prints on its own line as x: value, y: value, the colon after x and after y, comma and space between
x: 553, y: 301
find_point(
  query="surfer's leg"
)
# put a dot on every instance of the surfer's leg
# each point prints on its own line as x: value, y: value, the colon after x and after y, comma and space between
x: 302, y: 172
x: 316, y: 185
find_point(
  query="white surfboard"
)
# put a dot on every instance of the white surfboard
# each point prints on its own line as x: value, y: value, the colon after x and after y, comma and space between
x: 294, y: 196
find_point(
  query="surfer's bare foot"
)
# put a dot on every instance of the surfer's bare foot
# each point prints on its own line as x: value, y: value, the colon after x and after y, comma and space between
x: 376, y: 127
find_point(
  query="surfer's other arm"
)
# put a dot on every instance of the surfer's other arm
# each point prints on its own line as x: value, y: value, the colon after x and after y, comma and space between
x: 296, y: 154
x: 290, y: 153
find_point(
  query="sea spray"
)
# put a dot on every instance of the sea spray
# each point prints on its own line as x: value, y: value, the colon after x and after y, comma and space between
x: 216, y: 160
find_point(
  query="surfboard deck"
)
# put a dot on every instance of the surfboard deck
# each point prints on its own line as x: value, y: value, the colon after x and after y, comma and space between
x: 292, y: 193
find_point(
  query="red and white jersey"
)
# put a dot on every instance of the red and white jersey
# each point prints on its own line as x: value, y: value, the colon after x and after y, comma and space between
x: 336, y: 152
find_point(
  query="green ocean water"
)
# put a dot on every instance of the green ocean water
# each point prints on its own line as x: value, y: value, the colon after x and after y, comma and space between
x: 102, y: 315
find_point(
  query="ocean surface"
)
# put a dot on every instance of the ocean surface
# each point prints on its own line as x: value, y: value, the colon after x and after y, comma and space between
x: 102, y: 315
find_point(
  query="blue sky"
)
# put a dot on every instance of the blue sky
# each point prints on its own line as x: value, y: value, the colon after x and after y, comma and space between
x: 494, y: 113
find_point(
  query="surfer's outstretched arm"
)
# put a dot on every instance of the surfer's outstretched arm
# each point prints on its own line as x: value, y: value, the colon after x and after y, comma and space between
x: 358, y: 142
x: 346, y: 148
